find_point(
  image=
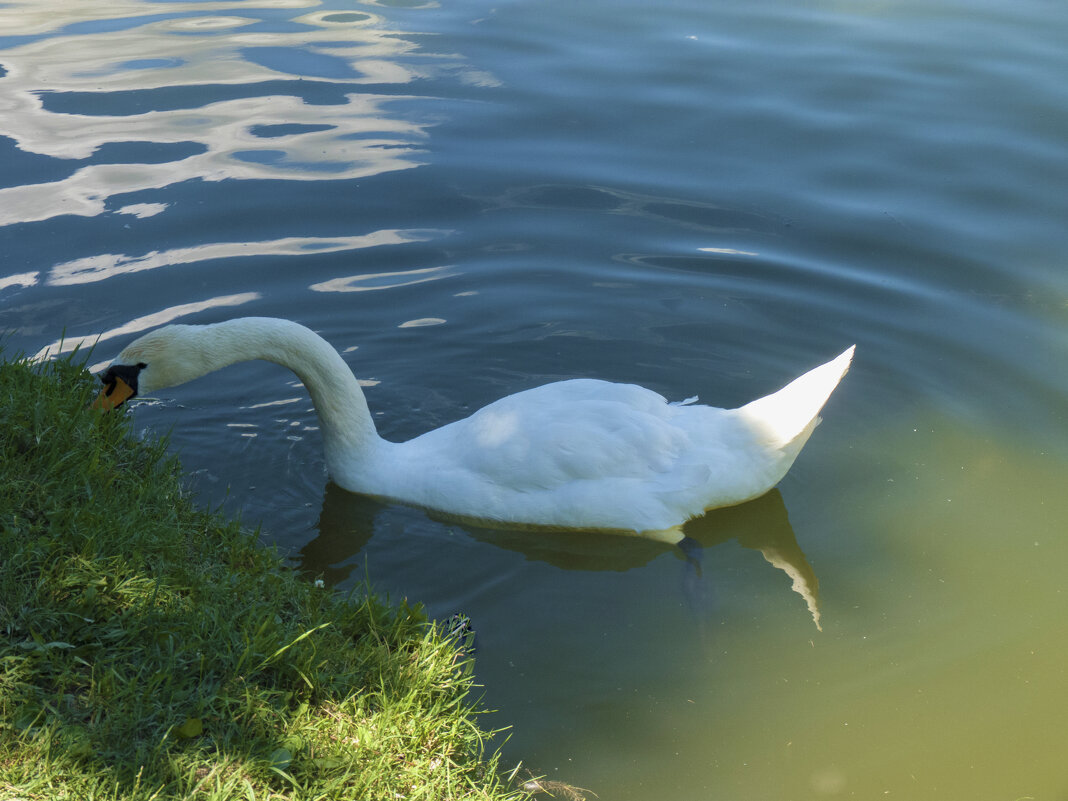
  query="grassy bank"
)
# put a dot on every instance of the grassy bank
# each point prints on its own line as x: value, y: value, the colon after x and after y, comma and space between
x: 150, y: 650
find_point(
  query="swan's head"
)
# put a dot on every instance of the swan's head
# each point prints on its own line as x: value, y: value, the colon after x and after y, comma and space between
x: 162, y: 358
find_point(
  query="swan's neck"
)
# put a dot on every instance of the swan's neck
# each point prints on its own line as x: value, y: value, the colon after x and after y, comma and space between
x: 348, y: 430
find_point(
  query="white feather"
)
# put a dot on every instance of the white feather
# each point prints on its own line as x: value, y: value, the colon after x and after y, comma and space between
x: 573, y: 454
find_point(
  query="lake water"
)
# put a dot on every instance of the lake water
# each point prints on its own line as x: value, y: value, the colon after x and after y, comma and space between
x: 469, y: 199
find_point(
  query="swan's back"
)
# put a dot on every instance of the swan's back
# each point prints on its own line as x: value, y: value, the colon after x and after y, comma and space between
x: 583, y: 454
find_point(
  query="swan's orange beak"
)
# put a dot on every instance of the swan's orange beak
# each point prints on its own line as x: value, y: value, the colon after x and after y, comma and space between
x: 113, y: 395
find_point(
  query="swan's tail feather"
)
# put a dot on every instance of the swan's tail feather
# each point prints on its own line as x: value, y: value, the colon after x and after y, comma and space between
x: 787, y: 417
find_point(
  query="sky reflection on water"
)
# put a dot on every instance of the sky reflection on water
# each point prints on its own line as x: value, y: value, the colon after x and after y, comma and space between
x: 144, y: 79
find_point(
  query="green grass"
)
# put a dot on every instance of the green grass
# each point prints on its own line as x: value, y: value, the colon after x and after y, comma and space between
x: 151, y: 650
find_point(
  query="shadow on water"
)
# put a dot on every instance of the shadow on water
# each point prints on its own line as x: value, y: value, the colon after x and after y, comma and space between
x: 347, y: 524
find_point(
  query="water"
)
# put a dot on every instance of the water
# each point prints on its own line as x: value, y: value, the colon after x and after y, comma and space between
x: 704, y: 198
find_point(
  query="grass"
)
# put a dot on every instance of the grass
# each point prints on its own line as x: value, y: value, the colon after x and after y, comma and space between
x: 151, y: 650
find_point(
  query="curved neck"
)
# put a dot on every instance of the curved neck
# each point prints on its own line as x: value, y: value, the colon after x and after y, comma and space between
x: 339, y: 401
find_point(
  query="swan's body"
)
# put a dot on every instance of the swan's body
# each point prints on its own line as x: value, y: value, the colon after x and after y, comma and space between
x: 573, y: 454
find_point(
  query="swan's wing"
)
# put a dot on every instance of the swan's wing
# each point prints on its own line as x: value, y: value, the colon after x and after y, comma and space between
x: 576, y: 454
x: 557, y: 434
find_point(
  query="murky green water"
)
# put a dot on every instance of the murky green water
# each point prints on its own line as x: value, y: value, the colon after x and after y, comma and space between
x: 705, y: 198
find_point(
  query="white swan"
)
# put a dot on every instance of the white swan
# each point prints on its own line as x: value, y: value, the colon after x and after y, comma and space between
x: 579, y: 454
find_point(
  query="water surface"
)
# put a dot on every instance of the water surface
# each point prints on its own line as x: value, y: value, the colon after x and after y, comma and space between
x: 702, y: 198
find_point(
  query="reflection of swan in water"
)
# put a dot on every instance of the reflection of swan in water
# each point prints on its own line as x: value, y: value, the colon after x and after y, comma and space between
x: 764, y: 526
x: 347, y: 524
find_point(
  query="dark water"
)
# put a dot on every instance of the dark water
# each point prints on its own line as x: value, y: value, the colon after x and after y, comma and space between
x: 705, y: 198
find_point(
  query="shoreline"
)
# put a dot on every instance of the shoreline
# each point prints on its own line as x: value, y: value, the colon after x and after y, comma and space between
x: 150, y: 649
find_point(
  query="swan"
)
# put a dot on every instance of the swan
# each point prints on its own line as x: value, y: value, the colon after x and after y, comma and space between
x: 574, y: 454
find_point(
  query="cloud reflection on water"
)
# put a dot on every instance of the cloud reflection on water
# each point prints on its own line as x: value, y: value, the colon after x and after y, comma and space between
x: 107, y: 265
x: 385, y: 145
x: 136, y: 326
x: 19, y: 280
x: 375, y: 281
x: 115, y: 74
